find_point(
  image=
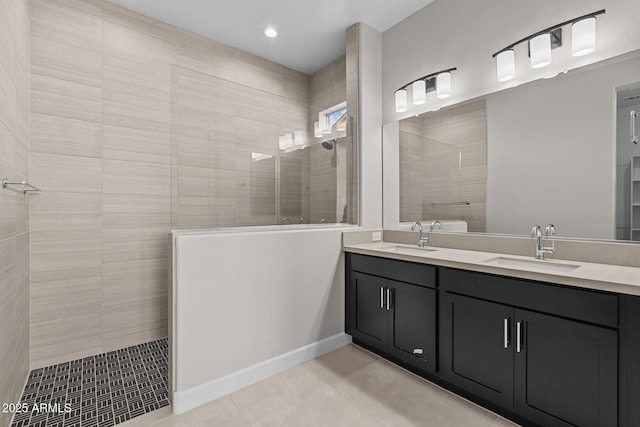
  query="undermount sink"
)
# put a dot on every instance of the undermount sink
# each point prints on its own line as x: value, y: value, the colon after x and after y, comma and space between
x: 407, y: 250
x: 549, y: 266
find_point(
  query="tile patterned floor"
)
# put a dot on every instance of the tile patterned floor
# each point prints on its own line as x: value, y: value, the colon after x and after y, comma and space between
x: 97, y: 391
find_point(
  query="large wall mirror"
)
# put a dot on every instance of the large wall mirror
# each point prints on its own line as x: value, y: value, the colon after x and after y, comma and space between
x: 557, y: 150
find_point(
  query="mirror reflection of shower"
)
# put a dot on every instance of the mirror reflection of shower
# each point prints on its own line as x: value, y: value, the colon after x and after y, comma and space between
x: 628, y: 163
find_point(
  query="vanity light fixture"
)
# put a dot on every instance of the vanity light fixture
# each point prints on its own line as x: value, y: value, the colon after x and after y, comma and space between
x: 583, y: 42
x: 440, y: 82
x: 317, y: 130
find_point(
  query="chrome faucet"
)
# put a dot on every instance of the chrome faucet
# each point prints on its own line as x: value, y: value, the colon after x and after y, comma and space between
x: 433, y: 225
x: 421, y: 239
x: 536, y: 233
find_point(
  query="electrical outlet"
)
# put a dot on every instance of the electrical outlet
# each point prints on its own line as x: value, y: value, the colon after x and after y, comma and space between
x: 376, y: 236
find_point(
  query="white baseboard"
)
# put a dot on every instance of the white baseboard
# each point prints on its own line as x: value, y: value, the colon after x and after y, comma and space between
x: 186, y: 400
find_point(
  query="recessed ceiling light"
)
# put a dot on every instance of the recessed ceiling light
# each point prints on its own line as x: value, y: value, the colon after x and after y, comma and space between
x: 270, y: 32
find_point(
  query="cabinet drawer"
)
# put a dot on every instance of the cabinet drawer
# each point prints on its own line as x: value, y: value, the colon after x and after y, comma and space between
x: 403, y: 271
x: 588, y: 306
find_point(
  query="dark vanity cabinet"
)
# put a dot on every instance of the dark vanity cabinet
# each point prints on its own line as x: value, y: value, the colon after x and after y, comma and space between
x: 548, y: 353
x: 541, y: 354
x: 391, y: 307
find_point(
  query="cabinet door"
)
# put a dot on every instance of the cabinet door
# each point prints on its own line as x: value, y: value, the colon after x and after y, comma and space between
x: 477, y: 350
x: 369, y: 296
x: 412, y: 325
x: 566, y: 372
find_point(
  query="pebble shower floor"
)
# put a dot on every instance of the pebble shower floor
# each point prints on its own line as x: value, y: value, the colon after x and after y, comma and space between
x: 97, y: 391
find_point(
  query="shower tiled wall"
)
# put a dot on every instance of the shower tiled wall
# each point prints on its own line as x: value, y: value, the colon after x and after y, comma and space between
x: 443, y: 164
x: 137, y: 127
x: 14, y: 204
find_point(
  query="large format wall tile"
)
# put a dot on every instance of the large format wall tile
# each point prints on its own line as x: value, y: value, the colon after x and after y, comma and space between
x: 126, y: 244
x: 14, y: 204
x: 124, y: 143
x: 136, y: 78
x: 138, y: 112
x: 74, y: 22
x: 64, y: 136
x: 56, y: 210
x: 63, y: 98
x: 53, y: 58
x: 205, y: 56
x: 70, y: 174
x: 123, y: 177
x: 65, y: 249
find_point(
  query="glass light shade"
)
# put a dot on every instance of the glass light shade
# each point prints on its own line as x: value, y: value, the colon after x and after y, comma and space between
x: 282, y: 142
x: 317, y: 132
x: 288, y: 140
x: 419, y: 92
x: 326, y: 127
x: 298, y: 137
x: 443, y: 85
x: 506, y: 65
x: 540, y: 50
x: 583, y: 37
x: 401, y: 101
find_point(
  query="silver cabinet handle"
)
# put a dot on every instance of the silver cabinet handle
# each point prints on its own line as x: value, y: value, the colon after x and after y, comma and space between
x: 518, y: 337
x: 388, y: 298
x: 506, y: 333
x: 381, y: 296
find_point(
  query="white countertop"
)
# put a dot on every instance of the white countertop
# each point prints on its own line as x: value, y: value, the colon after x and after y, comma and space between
x: 604, y: 277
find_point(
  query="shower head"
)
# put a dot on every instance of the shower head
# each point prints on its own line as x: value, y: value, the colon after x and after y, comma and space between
x: 328, y: 145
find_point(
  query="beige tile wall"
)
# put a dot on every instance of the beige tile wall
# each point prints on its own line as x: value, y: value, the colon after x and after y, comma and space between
x: 14, y: 204
x: 138, y: 127
x: 443, y: 161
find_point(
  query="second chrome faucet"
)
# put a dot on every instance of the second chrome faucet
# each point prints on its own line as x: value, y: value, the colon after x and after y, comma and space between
x: 421, y: 239
x: 536, y: 233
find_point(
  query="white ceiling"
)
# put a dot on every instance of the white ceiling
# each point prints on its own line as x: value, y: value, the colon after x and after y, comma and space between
x: 311, y: 32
